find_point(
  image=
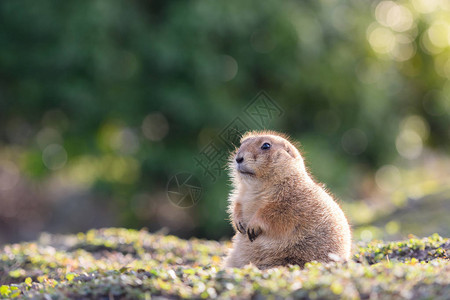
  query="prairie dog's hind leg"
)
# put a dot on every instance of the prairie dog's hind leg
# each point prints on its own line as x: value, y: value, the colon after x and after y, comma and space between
x: 234, y: 260
x: 238, y: 256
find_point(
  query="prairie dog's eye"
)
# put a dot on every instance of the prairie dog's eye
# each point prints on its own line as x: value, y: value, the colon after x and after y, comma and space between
x: 265, y: 146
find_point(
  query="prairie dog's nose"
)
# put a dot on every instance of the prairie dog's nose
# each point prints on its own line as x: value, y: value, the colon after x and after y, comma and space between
x: 239, y: 159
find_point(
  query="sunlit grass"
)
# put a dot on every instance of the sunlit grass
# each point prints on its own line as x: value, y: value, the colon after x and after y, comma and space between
x: 129, y: 264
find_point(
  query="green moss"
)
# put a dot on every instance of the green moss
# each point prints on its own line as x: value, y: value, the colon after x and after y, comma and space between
x: 426, y: 249
x: 120, y: 263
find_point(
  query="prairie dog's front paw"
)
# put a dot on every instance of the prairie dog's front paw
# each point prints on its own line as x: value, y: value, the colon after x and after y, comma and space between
x: 253, y: 232
x: 240, y: 226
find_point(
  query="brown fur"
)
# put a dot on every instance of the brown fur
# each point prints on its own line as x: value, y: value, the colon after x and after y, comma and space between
x: 281, y: 216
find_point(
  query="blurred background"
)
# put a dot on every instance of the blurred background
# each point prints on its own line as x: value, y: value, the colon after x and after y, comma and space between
x: 103, y: 102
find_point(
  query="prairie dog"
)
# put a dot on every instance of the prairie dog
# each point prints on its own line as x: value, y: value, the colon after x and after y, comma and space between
x: 280, y: 215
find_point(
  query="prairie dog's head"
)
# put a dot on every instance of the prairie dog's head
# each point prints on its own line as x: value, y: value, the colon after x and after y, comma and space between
x: 265, y: 155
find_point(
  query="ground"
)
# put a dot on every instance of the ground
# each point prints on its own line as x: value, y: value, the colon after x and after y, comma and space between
x: 127, y: 264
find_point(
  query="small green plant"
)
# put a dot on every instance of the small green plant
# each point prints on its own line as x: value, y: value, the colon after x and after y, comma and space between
x: 129, y: 264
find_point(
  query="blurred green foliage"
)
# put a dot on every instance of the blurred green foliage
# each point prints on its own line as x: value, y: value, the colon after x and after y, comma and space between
x: 115, y: 97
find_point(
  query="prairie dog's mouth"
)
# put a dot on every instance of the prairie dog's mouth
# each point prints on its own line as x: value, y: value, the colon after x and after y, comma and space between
x: 243, y: 170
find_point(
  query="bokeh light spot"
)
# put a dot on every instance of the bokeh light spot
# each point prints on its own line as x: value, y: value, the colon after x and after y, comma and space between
x: 120, y: 169
x: 382, y: 40
x: 429, y: 46
x: 417, y: 124
x: 85, y: 170
x: 309, y: 31
x: 404, y: 48
x: 9, y: 175
x: 54, y: 156
x: 155, y: 126
x: 125, y: 141
x: 382, y: 10
x: 439, y: 34
x: 229, y: 67
x: 409, y: 144
x: 397, y: 17
x: 366, y: 235
x: 388, y: 178
x: 425, y: 6
x: 392, y: 227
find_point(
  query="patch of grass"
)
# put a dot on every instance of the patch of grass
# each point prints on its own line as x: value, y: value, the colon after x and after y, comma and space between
x: 128, y: 264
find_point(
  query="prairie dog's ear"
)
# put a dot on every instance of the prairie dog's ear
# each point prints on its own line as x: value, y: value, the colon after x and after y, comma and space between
x: 292, y: 151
